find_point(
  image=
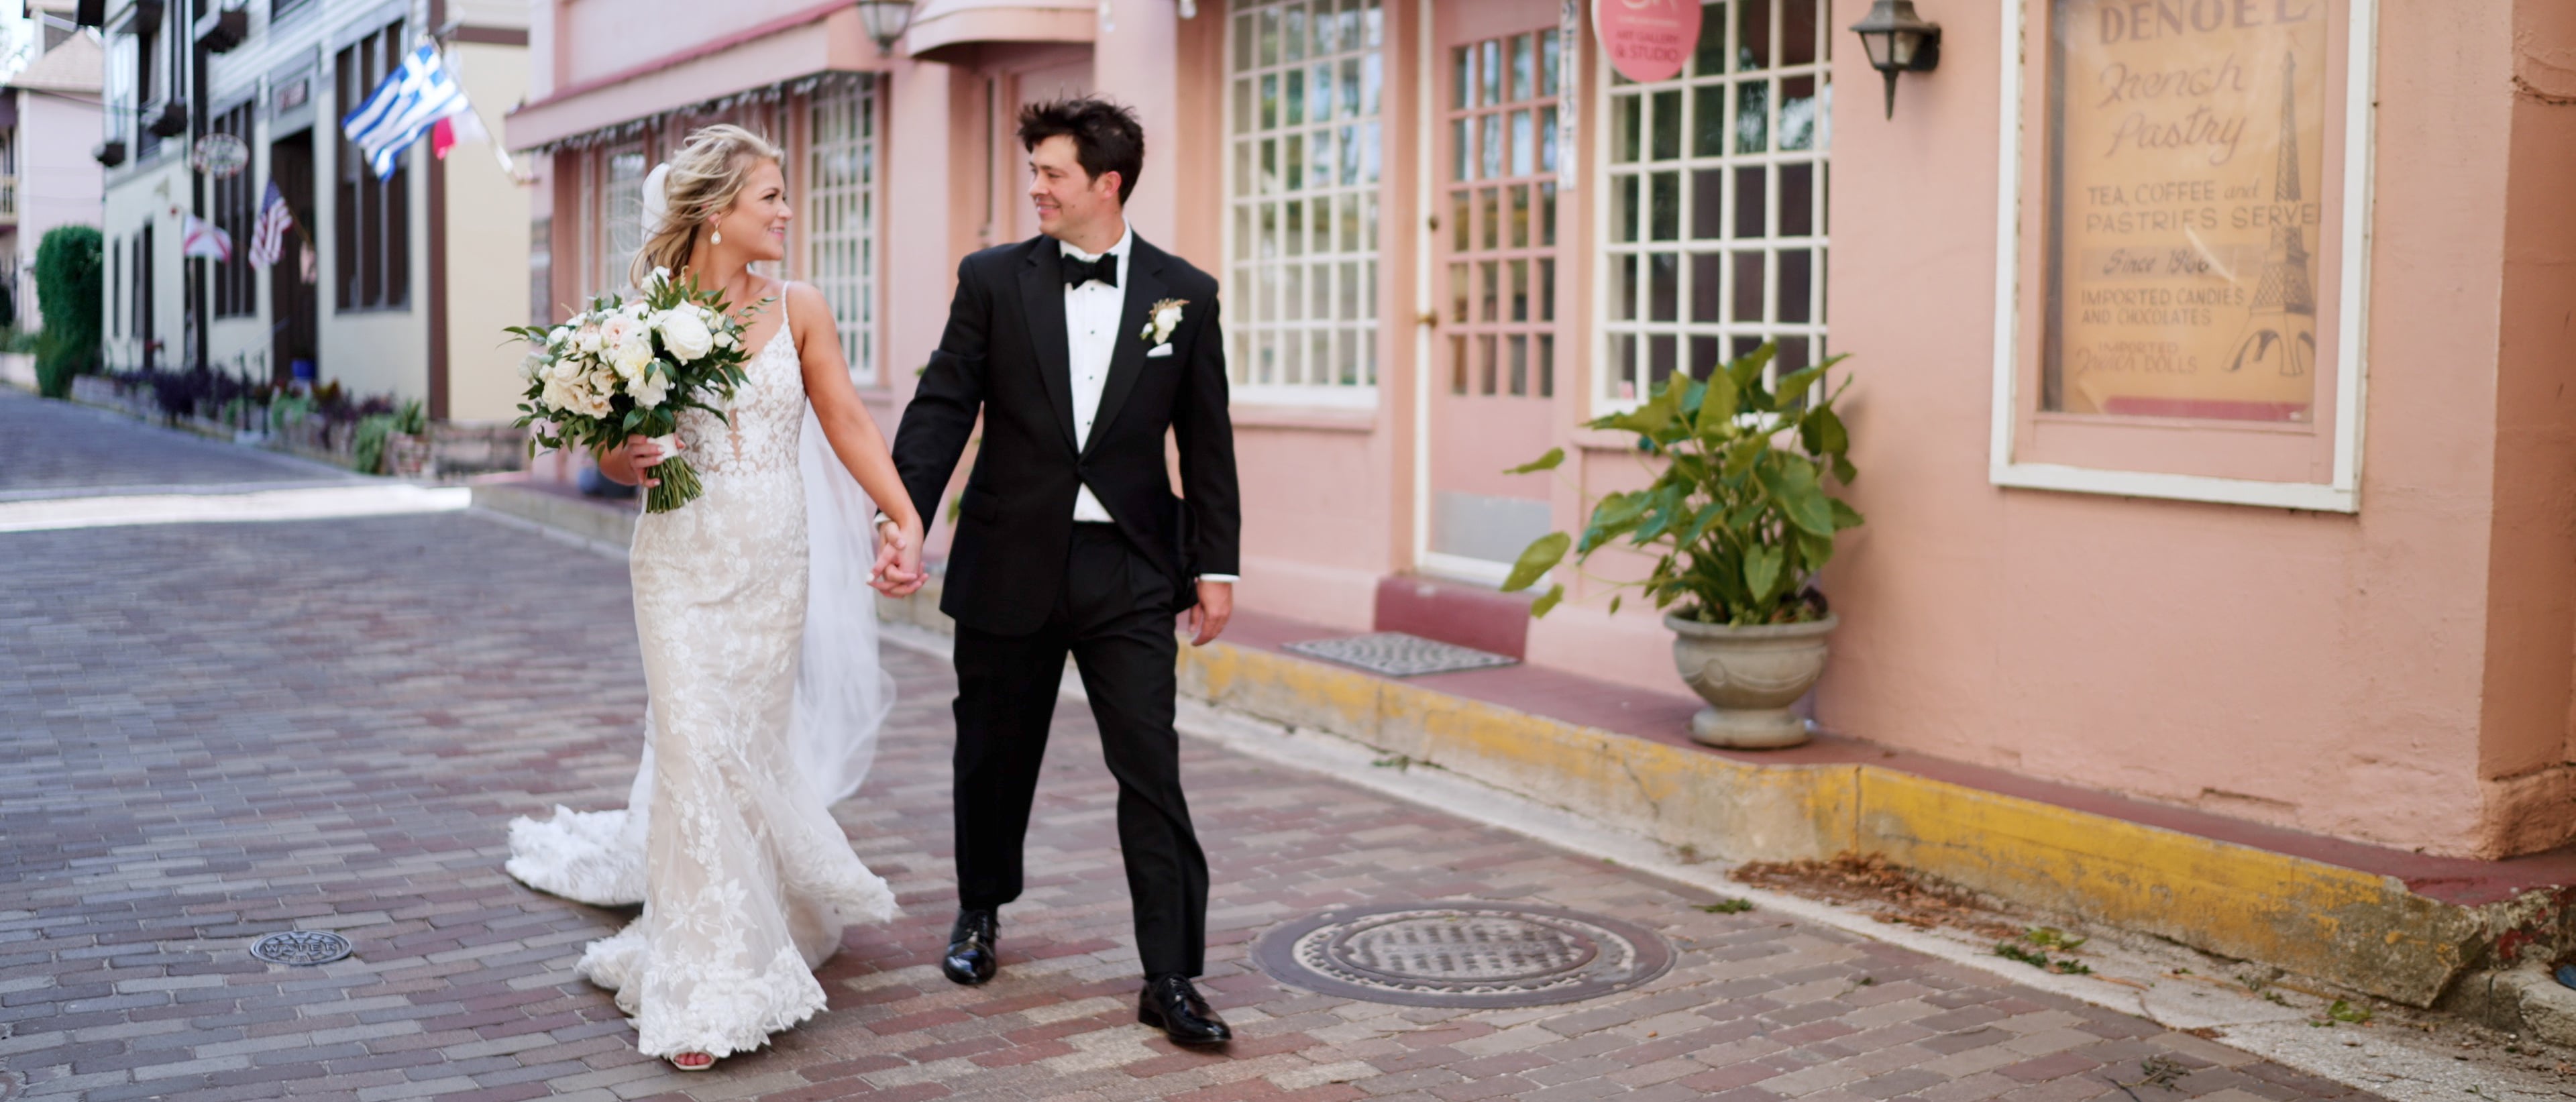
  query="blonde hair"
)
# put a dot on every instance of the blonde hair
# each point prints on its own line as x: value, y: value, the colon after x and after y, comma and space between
x: 705, y: 177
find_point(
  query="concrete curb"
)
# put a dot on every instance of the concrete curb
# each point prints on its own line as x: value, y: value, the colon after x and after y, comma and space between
x: 2354, y: 929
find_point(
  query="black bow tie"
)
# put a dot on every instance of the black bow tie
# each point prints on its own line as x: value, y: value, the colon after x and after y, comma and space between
x: 1079, y: 272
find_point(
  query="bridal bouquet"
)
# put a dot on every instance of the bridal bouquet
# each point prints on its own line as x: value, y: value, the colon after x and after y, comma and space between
x: 628, y: 367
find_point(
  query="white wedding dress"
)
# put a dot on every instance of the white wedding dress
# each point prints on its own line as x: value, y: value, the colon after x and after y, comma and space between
x: 765, y: 700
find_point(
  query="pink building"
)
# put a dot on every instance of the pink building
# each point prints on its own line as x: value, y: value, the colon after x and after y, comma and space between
x: 49, y: 119
x: 2206, y: 354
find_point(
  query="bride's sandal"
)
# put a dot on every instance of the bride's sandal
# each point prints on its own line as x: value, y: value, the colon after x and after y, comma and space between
x: 693, y: 1061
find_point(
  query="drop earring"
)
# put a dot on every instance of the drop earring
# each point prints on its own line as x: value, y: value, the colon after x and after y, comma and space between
x: 719, y: 236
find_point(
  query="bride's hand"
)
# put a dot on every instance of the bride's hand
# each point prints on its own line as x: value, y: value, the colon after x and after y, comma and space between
x: 642, y: 454
x: 898, y: 569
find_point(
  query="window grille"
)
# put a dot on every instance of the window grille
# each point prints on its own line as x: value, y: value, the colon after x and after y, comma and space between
x: 840, y: 215
x: 1715, y: 201
x: 1305, y: 80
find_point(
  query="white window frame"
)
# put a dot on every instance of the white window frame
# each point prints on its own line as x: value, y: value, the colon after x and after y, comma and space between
x: 1606, y: 94
x: 2340, y: 495
x: 1251, y: 317
x: 612, y: 220
x: 852, y: 293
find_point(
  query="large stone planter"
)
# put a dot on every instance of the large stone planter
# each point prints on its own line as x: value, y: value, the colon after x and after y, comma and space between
x: 1749, y: 676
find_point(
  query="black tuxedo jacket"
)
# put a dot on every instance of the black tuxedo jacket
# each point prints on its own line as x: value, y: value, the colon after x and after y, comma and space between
x: 1004, y: 356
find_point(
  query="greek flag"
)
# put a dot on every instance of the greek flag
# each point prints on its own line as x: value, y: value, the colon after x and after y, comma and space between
x: 403, y: 108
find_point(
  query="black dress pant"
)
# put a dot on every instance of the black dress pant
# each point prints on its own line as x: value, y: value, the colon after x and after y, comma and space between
x: 1114, y: 615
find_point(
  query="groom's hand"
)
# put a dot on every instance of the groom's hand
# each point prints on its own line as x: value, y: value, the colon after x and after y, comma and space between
x: 1208, y: 617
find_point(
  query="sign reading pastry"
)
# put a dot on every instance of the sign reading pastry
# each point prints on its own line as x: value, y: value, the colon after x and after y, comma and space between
x: 1647, y: 40
x: 2186, y: 176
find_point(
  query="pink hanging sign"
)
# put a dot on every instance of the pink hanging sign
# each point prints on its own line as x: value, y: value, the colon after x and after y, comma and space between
x: 1647, y: 40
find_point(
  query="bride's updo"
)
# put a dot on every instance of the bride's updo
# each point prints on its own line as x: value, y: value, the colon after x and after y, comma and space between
x: 698, y: 184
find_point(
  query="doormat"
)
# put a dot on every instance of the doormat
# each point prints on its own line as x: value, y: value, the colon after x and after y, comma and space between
x: 1463, y: 954
x: 1395, y: 654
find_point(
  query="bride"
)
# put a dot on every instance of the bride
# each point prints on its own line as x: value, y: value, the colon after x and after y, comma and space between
x: 758, y: 635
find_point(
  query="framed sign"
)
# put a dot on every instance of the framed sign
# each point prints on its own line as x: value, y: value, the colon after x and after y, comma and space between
x: 2183, y: 249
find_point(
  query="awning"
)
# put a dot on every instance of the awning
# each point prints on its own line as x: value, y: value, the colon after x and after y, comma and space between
x: 943, y: 29
x: 822, y: 39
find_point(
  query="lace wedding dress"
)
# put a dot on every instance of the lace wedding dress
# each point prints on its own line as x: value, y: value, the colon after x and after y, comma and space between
x: 727, y: 839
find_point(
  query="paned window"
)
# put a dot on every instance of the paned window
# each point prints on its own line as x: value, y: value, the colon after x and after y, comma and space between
x: 1305, y: 81
x: 1715, y: 239
x: 621, y: 216
x: 1501, y: 213
x: 841, y: 214
x: 372, y: 217
x: 235, y: 296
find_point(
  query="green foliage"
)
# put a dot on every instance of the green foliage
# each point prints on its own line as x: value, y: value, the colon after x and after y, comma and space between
x: 2345, y: 1011
x: 1739, y: 515
x: 367, y: 446
x: 1730, y: 905
x: 70, y: 295
x: 290, y: 407
x: 411, y: 419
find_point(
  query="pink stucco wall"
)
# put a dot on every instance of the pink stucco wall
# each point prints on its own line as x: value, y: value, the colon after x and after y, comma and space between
x: 2360, y: 675
x: 58, y: 183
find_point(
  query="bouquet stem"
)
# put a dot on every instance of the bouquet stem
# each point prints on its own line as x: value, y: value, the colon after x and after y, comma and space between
x: 679, y: 485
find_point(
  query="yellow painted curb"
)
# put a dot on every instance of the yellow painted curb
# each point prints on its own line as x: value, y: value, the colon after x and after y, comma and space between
x: 2356, y: 929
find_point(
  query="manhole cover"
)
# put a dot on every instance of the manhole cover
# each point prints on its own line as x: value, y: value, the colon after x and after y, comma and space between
x: 1462, y: 954
x: 1396, y: 654
x: 301, y: 947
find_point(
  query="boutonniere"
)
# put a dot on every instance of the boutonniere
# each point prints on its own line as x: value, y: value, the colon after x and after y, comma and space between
x: 1162, y: 319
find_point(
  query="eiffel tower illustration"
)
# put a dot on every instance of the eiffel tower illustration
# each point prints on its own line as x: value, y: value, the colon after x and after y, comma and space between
x: 2282, y: 332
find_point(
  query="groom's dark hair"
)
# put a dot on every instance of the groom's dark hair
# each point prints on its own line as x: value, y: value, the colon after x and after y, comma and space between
x: 1106, y: 136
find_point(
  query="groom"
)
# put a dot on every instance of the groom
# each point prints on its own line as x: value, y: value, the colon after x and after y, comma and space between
x: 1080, y: 348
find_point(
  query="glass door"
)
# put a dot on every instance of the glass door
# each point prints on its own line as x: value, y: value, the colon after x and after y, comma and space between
x: 1496, y: 268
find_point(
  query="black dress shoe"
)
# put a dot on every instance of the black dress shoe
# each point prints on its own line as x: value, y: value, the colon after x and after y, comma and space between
x: 1170, y: 1004
x: 972, y: 958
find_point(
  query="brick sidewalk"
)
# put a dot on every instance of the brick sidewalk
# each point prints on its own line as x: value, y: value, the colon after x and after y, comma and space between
x: 220, y: 731
x: 56, y: 446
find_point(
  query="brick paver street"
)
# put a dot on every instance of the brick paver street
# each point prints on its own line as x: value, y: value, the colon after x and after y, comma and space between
x: 215, y: 732
x: 52, y: 447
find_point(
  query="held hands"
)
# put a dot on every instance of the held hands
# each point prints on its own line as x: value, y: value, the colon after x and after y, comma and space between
x: 898, y: 571
x: 1207, y: 618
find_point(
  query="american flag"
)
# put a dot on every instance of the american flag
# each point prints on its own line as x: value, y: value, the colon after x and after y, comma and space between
x: 404, y: 107
x: 268, y: 237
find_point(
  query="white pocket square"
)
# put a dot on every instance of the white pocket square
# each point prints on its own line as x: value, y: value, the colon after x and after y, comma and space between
x: 1158, y: 350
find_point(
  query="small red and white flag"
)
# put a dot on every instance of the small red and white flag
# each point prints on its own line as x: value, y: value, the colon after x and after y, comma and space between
x: 461, y: 128
x: 198, y: 237
x: 268, y: 236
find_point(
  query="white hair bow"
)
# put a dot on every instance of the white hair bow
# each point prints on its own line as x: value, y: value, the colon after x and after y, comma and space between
x: 656, y: 197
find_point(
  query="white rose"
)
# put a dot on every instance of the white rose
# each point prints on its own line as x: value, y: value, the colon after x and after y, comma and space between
x: 726, y: 339
x: 587, y: 338
x: 564, y: 370
x: 651, y: 390
x: 631, y: 358
x: 531, y: 366
x: 619, y: 330
x: 684, y: 335
x: 1165, y: 320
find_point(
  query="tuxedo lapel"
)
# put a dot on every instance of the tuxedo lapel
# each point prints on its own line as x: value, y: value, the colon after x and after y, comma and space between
x: 1127, y: 358
x: 1042, y: 297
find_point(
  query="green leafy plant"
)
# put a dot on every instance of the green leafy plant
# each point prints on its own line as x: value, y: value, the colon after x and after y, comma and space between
x: 411, y: 419
x: 70, y: 287
x: 367, y: 447
x: 1738, y: 514
x: 1730, y: 905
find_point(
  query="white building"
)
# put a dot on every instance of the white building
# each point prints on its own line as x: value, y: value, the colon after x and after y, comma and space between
x: 409, y: 279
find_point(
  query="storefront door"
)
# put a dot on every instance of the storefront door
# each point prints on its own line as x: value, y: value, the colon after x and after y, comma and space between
x: 1498, y: 352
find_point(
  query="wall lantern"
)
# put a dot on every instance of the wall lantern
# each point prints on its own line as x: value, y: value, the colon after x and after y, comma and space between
x: 885, y: 21
x: 1898, y: 41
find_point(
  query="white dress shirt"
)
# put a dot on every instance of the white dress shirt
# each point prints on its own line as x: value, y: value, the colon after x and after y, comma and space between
x: 1091, y: 317
x: 1091, y: 313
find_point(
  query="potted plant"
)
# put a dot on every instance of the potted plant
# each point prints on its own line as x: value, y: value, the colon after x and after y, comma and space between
x: 1740, y: 521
